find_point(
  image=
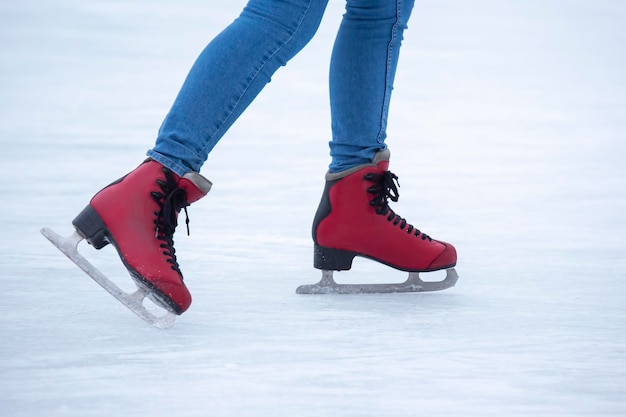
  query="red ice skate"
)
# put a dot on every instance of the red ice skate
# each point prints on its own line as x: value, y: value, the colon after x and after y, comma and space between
x: 138, y: 215
x: 354, y: 219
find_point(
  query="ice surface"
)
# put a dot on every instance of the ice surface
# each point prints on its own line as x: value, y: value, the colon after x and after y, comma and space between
x: 507, y: 132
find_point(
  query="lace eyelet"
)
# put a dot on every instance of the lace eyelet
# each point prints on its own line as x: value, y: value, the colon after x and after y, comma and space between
x: 385, y: 188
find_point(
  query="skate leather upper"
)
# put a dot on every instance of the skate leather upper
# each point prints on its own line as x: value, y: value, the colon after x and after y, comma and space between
x: 133, y: 211
x: 353, y: 224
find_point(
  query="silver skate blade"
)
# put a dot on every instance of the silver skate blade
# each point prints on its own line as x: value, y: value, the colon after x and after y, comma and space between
x: 414, y: 283
x: 134, y: 302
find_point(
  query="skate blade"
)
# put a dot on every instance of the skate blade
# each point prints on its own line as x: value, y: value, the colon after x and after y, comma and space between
x: 133, y: 301
x: 327, y: 285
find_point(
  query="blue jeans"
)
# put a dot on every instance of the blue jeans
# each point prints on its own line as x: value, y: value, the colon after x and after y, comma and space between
x: 239, y: 62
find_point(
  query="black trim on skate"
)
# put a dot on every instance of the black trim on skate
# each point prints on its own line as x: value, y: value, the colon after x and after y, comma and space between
x: 90, y: 225
x: 324, y: 208
x: 330, y: 259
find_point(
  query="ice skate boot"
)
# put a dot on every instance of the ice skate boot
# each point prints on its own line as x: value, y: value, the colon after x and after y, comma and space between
x: 354, y: 219
x: 138, y: 215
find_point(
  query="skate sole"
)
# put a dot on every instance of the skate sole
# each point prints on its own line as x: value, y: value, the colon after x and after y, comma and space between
x: 331, y: 259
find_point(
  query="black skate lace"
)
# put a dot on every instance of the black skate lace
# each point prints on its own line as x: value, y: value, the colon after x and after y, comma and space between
x: 171, y: 199
x: 385, y: 188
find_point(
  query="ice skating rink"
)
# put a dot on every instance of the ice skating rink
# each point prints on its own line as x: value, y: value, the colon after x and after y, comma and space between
x: 507, y: 131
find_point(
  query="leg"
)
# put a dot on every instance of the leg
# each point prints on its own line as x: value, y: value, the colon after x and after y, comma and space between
x: 362, y: 71
x: 229, y: 74
x: 138, y: 214
x: 354, y: 217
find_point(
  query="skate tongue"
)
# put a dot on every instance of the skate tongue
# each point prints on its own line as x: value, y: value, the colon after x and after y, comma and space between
x: 381, y: 160
x: 195, y: 185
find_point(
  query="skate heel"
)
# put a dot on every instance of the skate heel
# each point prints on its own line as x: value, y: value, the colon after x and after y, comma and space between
x: 332, y: 259
x: 89, y: 225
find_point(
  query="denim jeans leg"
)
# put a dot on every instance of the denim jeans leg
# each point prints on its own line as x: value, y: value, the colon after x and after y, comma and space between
x: 229, y: 74
x: 362, y: 71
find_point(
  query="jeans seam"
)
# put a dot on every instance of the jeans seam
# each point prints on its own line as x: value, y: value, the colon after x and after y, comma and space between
x: 256, y: 74
x: 387, y: 94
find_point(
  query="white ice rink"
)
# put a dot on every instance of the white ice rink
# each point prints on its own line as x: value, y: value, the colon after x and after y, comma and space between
x: 507, y: 131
